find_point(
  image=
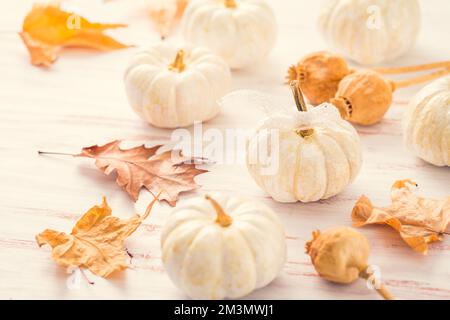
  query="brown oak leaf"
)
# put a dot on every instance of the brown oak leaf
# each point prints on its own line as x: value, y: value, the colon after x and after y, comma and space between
x: 47, y: 29
x: 168, y: 173
x: 418, y: 220
x: 96, y: 241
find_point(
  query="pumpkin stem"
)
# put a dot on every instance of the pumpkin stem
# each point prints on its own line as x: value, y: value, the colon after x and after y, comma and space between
x: 421, y: 79
x: 222, y: 218
x: 230, y: 4
x: 381, y: 289
x: 178, y: 64
x: 301, y: 105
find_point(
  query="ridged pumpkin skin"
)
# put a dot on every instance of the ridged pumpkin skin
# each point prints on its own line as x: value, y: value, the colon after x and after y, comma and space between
x: 209, y: 261
x: 370, y: 31
x: 242, y: 35
x: 169, y: 99
x: 310, y: 168
x: 426, y: 125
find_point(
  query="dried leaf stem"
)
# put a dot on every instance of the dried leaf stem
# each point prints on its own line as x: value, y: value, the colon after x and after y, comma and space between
x: 85, y: 277
x: 57, y: 153
x: 150, y: 206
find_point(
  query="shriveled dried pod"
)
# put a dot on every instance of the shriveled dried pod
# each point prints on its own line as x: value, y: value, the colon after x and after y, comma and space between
x: 341, y: 255
x: 363, y: 97
x: 319, y: 74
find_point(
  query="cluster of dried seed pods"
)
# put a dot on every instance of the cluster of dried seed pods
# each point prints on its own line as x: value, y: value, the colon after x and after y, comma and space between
x: 362, y: 96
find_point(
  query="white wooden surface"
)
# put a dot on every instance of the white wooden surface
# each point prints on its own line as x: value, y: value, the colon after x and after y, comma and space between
x: 81, y: 101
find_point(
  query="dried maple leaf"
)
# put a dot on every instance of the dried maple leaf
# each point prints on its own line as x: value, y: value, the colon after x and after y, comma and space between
x: 418, y: 220
x: 168, y: 173
x: 46, y: 29
x: 96, y: 242
x: 40, y: 53
x: 165, y: 14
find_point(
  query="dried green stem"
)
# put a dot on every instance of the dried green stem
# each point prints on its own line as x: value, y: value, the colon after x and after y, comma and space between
x: 301, y: 106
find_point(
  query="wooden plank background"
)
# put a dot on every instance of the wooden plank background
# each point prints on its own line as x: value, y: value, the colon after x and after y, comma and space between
x: 81, y: 101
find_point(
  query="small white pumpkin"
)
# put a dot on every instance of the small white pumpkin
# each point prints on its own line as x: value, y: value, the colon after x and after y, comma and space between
x: 173, y: 87
x: 317, y: 153
x: 426, y: 125
x: 370, y: 31
x: 241, y: 31
x: 219, y: 246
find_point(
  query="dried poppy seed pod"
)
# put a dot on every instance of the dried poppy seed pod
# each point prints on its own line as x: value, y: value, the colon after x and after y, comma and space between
x: 319, y: 75
x: 363, y: 97
x: 339, y: 254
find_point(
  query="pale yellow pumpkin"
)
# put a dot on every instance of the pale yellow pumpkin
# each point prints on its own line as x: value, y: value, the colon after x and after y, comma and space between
x: 221, y: 246
x: 242, y: 32
x: 370, y: 31
x: 171, y: 86
x: 426, y: 124
x: 318, y: 154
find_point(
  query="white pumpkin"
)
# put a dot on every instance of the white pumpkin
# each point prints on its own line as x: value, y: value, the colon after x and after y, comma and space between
x: 219, y: 246
x: 173, y: 87
x: 370, y: 31
x: 311, y: 155
x: 241, y: 31
x: 426, y: 125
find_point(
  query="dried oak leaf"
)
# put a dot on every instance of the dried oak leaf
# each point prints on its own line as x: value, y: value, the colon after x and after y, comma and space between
x: 418, y: 220
x: 47, y: 29
x: 165, y: 14
x: 168, y: 173
x: 96, y: 242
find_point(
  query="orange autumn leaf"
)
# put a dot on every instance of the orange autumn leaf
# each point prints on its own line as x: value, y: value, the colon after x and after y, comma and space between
x: 47, y: 29
x: 96, y: 241
x: 165, y: 14
x: 418, y: 220
x: 40, y: 53
x: 168, y: 173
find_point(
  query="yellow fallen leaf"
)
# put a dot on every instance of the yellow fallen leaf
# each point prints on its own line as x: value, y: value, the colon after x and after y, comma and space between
x: 96, y: 242
x: 165, y: 14
x: 40, y: 53
x: 418, y: 220
x: 46, y: 29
